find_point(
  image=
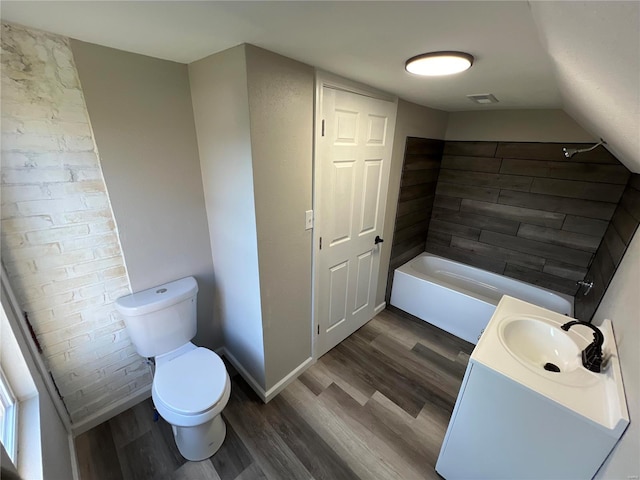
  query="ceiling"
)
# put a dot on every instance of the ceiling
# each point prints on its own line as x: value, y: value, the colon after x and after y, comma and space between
x: 579, y: 56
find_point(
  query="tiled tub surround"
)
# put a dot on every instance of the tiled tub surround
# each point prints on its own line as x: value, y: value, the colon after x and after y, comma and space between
x: 420, y: 170
x: 59, y: 241
x: 617, y: 238
x: 524, y: 210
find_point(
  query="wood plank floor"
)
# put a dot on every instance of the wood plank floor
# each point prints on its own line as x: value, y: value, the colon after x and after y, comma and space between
x: 375, y: 407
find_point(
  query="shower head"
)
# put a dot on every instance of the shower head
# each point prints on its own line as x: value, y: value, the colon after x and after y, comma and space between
x: 570, y: 152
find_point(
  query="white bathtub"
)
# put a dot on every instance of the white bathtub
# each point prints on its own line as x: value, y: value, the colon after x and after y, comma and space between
x: 461, y: 299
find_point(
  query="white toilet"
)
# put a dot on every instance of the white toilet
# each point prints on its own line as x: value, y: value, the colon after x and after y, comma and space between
x: 191, y: 385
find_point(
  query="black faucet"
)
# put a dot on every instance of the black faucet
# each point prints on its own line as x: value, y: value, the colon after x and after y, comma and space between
x: 592, y: 355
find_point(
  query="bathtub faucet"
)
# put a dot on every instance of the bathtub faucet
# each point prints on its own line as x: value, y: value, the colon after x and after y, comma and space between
x: 585, y: 283
x: 592, y: 355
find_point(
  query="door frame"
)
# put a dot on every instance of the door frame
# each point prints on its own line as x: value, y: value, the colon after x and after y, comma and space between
x: 328, y: 80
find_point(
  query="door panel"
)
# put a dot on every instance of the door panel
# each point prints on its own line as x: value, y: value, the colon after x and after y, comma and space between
x: 341, y: 202
x: 377, y: 130
x: 338, y: 293
x: 370, y: 194
x: 363, y: 280
x: 346, y: 127
x: 352, y: 176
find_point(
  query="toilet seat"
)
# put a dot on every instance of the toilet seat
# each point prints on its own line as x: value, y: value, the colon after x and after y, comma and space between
x: 191, y: 383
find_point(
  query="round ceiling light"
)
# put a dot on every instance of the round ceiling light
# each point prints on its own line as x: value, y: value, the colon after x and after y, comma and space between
x: 439, y: 63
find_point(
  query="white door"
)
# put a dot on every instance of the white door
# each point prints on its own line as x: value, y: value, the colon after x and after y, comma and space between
x: 352, y: 176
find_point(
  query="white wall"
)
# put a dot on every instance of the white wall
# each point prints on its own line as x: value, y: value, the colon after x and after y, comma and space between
x: 412, y: 121
x: 221, y: 110
x: 621, y: 304
x: 281, y: 96
x: 515, y: 126
x: 142, y: 119
x: 595, y: 49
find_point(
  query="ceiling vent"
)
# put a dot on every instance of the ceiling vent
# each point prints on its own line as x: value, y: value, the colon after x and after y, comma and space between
x: 483, y: 98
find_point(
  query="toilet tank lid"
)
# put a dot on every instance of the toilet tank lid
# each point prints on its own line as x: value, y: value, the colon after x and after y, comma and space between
x: 156, y: 298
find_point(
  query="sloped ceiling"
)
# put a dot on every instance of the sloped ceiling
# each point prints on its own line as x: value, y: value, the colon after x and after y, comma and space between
x: 580, y: 56
x: 595, y: 48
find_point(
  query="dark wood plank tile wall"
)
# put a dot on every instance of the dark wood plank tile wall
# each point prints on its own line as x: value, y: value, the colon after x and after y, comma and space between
x: 617, y: 238
x: 420, y: 171
x: 525, y: 211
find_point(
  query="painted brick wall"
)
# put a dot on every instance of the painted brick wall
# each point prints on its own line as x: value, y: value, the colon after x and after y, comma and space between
x: 524, y: 210
x: 60, y: 245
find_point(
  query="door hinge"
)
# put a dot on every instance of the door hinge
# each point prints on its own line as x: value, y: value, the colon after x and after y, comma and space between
x: 320, y: 243
x: 323, y: 128
x: 318, y: 329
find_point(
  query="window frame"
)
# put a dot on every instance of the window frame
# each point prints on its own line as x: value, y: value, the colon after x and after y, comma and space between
x: 8, y: 418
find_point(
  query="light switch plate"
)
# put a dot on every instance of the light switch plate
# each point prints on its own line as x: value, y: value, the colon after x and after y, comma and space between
x: 308, y: 220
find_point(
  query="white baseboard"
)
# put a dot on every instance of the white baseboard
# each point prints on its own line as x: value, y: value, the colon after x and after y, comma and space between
x: 110, y: 411
x: 379, y: 308
x: 253, y: 383
x: 281, y: 385
x: 265, y: 396
x: 75, y: 469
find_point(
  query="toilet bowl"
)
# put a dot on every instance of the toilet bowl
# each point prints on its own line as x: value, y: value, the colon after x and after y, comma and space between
x: 190, y: 390
x: 191, y: 385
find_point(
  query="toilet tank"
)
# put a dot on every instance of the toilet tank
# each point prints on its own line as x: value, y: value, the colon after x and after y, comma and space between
x: 162, y: 318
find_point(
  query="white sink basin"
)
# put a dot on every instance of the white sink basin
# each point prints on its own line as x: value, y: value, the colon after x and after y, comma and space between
x: 522, y: 338
x: 514, y: 418
x: 540, y: 345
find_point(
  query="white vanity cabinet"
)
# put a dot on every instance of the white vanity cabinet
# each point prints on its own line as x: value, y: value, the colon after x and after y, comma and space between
x: 512, y: 422
x: 503, y: 430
